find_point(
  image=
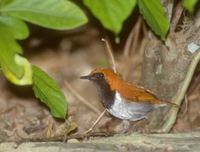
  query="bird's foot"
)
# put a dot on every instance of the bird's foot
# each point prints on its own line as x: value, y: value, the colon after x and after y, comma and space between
x: 126, y: 126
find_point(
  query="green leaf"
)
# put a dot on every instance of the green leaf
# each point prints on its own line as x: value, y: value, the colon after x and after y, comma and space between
x: 46, y: 89
x: 190, y: 4
x: 154, y: 14
x: 5, y: 2
x: 55, y: 14
x: 111, y: 13
x: 16, y: 68
x: 23, y: 64
x: 14, y: 27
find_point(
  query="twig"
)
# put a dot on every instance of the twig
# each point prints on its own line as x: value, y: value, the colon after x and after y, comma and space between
x: 83, y: 100
x: 129, y: 41
x: 96, y: 121
x: 110, y: 53
x: 178, y: 98
x: 137, y: 33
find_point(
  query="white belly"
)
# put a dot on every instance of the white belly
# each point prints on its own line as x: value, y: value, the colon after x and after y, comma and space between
x: 129, y: 110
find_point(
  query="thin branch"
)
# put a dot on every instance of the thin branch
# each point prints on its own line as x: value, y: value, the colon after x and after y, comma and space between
x: 96, y: 121
x: 129, y: 41
x: 111, y: 56
x: 178, y: 98
x: 137, y: 33
x: 82, y: 99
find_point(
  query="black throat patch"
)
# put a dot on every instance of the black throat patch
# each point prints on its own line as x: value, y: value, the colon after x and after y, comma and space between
x: 106, y: 94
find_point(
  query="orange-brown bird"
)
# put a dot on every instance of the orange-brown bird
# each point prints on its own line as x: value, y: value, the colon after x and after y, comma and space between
x: 123, y: 100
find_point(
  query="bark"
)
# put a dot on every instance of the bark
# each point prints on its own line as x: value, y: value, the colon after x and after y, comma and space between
x: 165, y: 65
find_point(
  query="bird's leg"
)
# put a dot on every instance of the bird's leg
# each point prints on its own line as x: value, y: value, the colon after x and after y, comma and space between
x: 96, y: 121
x: 126, y: 126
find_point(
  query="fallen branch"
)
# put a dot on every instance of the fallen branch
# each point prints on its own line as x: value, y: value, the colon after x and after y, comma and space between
x: 186, y: 142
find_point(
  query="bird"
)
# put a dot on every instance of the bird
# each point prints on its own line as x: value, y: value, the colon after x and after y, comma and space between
x: 122, y: 99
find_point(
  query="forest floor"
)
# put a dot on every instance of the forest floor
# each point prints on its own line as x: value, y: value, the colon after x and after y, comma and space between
x: 66, y: 56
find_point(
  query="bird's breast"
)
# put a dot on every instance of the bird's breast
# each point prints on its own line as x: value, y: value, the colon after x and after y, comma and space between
x: 129, y: 110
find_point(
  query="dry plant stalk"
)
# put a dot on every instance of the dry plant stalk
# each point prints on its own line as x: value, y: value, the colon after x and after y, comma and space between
x: 96, y: 122
x: 132, y: 40
x: 110, y: 53
x: 111, y: 56
x: 82, y: 99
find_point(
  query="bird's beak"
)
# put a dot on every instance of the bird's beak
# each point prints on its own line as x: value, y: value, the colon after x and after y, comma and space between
x: 85, y: 77
x: 88, y: 77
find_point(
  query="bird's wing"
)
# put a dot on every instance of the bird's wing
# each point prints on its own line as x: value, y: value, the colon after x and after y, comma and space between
x: 137, y: 94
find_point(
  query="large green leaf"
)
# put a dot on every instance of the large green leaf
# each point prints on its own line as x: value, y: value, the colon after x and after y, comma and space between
x: 189, y: 5
x: 16, y: 68
x: 47, y: 90
x: 5, y: 2
x: 111, y: 13
x: 14, y: 27
x: 55, y: 14
x: 154, y: 14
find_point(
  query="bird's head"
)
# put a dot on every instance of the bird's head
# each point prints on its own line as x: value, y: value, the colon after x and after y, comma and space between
x: 105, y: 79
x: 101, y: 75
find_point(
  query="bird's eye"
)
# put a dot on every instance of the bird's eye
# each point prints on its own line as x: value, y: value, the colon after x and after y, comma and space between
x: 99, y: 75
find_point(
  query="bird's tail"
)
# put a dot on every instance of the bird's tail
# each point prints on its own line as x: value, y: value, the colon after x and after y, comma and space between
x: 172, y: 104
x: 166, y: 103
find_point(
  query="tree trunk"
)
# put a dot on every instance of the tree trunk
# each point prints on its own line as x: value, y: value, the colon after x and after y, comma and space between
x: 165, y: 65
